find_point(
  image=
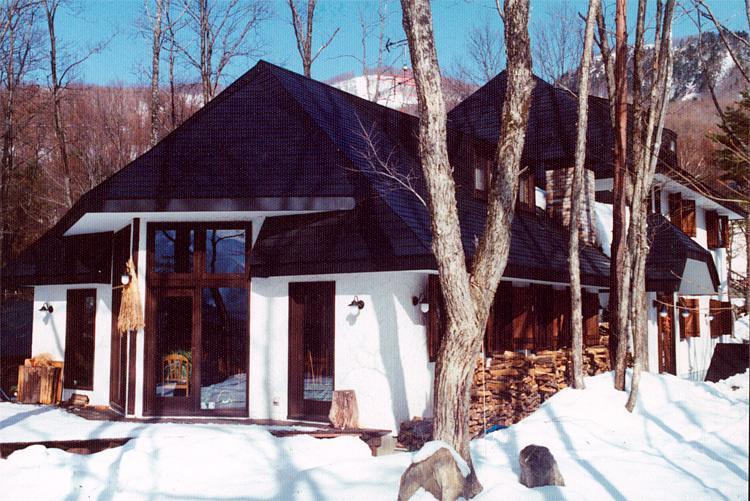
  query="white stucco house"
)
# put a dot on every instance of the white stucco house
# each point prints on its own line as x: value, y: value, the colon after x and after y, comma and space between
x: 276, y: 263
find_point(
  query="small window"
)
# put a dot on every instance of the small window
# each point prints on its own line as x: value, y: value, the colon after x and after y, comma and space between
x: 656, y: 197
x: 79, y: 339
x: 225, y: 251
x: 482, y: 176
x: 174, y: 249
x: 527, y: 191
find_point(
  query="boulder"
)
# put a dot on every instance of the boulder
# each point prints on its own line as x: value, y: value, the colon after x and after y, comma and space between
x: 538, y: 467
x: 439, y: 475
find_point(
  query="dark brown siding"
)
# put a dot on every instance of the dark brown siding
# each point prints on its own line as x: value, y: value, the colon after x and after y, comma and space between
x: 523, y: 318
x: 590, y: 318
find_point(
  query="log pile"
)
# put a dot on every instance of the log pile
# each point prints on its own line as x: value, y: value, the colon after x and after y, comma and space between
x: 413, y: 434
x: 512, y: 385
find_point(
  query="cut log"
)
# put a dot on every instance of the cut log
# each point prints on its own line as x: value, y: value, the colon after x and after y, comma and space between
x: 344, y: 412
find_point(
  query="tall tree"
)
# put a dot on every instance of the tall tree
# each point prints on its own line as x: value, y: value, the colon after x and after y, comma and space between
x: 219, y: 32
x: 733, y: 159
x: 576, y: 193
x: 619, y: 271
x: 467, y: 293
x: 649, y: 113
x: 303, y: 33
x: 57, y: 88
x: 157, y: 38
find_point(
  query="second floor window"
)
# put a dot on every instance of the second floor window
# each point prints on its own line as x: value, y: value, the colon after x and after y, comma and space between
x: 682, y: 213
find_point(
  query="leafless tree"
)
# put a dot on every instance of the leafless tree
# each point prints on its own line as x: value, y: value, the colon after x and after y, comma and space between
x: 367, y: 27
x: 467, y: 293
x: 215, y: 33
x: 484, y: 54
x: 304, y: 34
x: 649, y: 113
x: 155, y: 20
x: 576, y: 193
x: 558, y: 42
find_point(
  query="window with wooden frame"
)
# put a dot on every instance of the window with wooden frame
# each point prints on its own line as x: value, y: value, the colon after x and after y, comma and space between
x: 498, y: 335
x: 682, y: 213
x: 720, y: 317
x: 717, y: 230
x: 527, y: 191
x: 482, y: 177
x: 689, y: 317
x: 79, y: 339
x: 436, y: 317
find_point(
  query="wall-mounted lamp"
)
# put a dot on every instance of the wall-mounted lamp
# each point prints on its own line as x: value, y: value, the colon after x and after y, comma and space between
x: 47, y: 308
x: 685, y: 313
x: 424, y: 305
x: 356, y: 305
x: 710, y: 317
x: 663, y: 311
x: 124, y: 279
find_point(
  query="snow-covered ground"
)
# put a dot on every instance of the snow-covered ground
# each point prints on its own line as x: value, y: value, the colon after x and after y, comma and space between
x: 685, y: 440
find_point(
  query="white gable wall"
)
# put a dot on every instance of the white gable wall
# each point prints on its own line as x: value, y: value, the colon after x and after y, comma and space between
x: 48, y: 333
x: 381, y: 352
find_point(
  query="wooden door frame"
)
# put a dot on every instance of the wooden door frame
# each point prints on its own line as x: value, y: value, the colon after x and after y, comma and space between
x: 169, y: 406
x: 663, y: 364
x: 294, y: 400
x: 195, y: 282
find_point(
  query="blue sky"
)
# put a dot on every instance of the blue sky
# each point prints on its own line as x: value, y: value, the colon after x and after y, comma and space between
x: 126, y: 54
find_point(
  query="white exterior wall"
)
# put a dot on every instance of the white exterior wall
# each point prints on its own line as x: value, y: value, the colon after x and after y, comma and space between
x: 48, y: 333
x: 380, y: 353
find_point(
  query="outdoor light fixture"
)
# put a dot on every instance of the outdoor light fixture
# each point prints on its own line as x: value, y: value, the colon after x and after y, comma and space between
x: 685, y: 314
x: 663, y: 311
x: 710, y: 317
x: 124, y: 279
x: 424, y: 305
x: 47, y: 308
x: 356, y: 305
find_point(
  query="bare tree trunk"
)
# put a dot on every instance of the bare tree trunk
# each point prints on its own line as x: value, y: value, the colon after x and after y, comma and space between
x: 304, y: 36
x: 50, y: 7
x: 649, y: 127
x: 156, y: 49
x: 467, y: 297
x: 576, y: 193
x: 619, y: 265
x: 747, y: 263
x: 206, y: 49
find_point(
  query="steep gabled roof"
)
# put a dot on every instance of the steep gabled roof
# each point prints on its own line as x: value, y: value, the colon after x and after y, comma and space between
x: 276, y: 137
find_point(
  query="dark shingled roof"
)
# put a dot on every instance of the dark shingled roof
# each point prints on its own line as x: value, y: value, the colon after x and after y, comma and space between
x: 274, y: 133
x: 670, y: 249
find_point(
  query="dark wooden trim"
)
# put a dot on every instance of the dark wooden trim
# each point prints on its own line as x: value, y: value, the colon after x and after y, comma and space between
x: 297, y: 406
x: 136, y: 241
x: 665, y: 334
x: 132, y: 355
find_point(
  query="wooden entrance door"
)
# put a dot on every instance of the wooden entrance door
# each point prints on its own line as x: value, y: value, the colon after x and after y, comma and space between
x: 311, y: 349
x: 173, y: 363
x: 666, y: 334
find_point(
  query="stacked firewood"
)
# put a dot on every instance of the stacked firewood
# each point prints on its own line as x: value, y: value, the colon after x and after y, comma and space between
x: 596, y: 360
x: 512, y: 385
x: 413, y: 434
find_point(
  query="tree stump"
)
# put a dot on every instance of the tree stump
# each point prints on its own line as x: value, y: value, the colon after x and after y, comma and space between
x: 344, y: 412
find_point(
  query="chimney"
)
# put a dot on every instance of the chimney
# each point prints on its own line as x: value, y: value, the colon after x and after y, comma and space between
x: 558, y: 184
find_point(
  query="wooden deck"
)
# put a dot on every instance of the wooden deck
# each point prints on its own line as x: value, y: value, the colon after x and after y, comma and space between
x: 372, y: 437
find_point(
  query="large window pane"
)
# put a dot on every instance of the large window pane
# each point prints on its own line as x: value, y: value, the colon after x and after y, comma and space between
x: 174, y: 335
x: 225, y: 251
x: 224, y: 335
x: 173, y: 251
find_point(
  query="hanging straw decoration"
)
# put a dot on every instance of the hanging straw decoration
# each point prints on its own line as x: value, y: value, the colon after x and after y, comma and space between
x: 131, y: 315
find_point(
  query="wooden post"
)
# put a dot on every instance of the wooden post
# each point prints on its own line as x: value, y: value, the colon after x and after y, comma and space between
x: 344, y: 412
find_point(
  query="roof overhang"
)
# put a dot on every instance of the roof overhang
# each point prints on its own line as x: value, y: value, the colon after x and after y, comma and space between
x: 115, y: 214
x: 702, y: 199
